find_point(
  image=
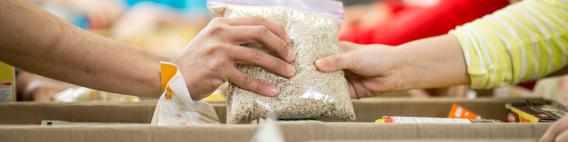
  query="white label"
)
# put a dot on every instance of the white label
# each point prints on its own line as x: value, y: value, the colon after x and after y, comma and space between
x: 422, y: 120
x: 6, y: 91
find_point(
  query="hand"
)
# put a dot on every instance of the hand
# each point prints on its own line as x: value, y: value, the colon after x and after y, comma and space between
x: 427, y: 63
x: 209, y: 60
x: 365, y: 72
x: 558, y: 132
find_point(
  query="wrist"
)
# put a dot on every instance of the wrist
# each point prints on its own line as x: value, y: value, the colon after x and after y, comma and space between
x: 432, y: 63
x: 405, y: 68
x: 153, y: 76
x: 155, y: 81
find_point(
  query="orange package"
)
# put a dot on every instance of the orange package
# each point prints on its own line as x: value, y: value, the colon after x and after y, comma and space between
x: 458, y: 111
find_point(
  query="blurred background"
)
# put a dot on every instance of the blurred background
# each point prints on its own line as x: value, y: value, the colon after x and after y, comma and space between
x: 164, y: 27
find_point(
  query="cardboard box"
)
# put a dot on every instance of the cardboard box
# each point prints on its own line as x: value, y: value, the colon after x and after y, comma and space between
x: 367, y: 110
x: 292, y: 131
x: 370, y: 109
x: 35, y: 112
x: 7, y: 82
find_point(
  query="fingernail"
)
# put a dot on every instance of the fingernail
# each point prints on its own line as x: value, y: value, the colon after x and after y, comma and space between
x: 291, y: 70
x: 272, y: 90
x: 286, y: 34
x: 321, y: 64
x: 291, y: 56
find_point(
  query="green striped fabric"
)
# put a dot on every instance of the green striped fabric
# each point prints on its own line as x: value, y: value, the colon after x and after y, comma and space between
x: 524, y: 41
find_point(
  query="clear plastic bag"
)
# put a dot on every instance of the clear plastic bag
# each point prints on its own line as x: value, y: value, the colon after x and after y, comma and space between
x: 310, y: 94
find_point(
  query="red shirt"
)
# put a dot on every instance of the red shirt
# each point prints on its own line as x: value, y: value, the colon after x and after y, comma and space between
x: 411, y: 23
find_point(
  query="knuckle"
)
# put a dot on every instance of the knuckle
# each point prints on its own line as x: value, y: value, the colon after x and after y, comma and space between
x: 356, y: 62
x: 259, y: 19
x: 216, y: 29
x: 217, y: 20
x: 248, y: 82
x: 215, y: 83
x: 279, y: 65
x: 256, y: 55
x: 217, y: 64
x: 261, y: 30
x: 215, y: 48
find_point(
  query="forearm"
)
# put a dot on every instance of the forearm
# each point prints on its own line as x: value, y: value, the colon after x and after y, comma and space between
x: 36, y: 41
x: 430, y: 63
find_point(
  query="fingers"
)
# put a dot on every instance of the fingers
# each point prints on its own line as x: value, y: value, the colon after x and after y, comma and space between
x: 549, y: 134
x: 251, y: 56
x: 345, y: 60
x: 562, y: 137
x: 334, y: 62
x: 350, y: 80
x: 249, y: 34
x: 555, y: 130
x: 277, y: 29
x: 252, y: 84
x: 359, y: 89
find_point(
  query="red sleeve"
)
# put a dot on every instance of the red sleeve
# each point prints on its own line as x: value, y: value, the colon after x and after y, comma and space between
x: 414, y: 23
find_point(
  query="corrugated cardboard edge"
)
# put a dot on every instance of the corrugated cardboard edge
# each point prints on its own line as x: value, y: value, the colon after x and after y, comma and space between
x: 35, y: 112
x: 367, y: 110
x: 293, y: 131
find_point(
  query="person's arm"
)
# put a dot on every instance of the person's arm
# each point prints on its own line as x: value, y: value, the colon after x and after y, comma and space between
x: 38, y: 42
x: 522, y: 42
x: 427, y: 63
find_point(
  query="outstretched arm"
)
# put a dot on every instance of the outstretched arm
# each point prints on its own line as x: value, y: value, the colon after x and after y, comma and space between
x: 522, y: 42
x: 39, y: 42
x: 427, y: 63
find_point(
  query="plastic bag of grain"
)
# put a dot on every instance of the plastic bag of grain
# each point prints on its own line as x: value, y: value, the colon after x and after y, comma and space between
x: 310, y: 94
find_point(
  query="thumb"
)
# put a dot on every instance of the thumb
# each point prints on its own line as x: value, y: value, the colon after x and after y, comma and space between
x: 333, y: 62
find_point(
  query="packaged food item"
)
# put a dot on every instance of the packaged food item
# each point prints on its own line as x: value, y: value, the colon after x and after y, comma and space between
x: 421, y: 120
x: 218, y: 95
x: 309, y: 94
x: 82, y: 94
x: 175, y: 106
x: 536, y: 111
x: 484, y: 121
x: 458, y: 111
x: 7, y: 82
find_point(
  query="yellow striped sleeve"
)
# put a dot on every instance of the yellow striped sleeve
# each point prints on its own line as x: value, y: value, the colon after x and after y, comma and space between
x: 521, y: 42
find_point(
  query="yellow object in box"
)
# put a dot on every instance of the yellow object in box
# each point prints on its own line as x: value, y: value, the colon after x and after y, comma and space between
x: 7, y: 82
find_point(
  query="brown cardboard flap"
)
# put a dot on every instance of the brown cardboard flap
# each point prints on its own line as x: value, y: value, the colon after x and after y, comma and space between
x: 370, y: 109
x: 35, y: 112
x: 293, y: 131
x: 434, y: 140
x: 366, y: 110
